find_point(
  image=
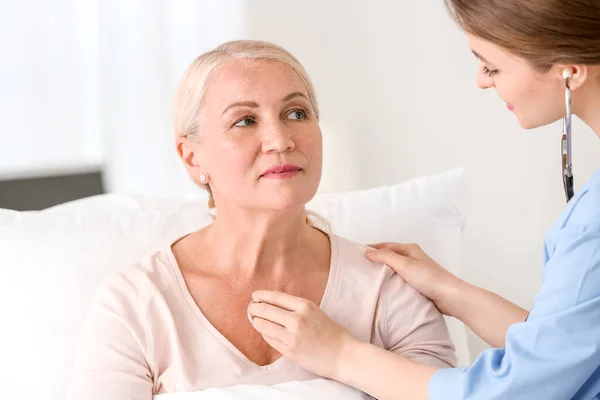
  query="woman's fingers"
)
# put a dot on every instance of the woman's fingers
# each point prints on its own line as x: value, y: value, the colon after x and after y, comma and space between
x: 411, y: 250
x: 271, y: 313
x: 390, y: 258
x: 286, y: 310
x: 281, y: 300
x: 276, y: 344
x: 272, y: 330
x: 384, y: 245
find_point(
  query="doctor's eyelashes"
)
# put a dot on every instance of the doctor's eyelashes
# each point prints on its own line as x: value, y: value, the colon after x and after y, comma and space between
x: 489, y: 72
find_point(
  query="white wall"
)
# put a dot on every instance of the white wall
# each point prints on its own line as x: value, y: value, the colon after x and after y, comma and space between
x: 396, y: 84
x: 45, y: 124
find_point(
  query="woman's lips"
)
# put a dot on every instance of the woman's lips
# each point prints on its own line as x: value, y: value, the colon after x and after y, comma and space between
x: 281, y: 172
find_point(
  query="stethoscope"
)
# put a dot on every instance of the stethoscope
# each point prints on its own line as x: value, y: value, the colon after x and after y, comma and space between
x: 565, y: 142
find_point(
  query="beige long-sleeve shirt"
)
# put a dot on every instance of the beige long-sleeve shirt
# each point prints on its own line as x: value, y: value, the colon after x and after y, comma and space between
x: 145, y: 334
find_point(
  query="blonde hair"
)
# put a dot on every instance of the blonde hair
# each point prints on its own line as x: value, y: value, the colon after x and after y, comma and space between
x: 192, y: 87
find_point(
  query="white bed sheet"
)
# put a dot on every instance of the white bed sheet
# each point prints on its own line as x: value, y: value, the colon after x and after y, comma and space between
x: 318, y: 389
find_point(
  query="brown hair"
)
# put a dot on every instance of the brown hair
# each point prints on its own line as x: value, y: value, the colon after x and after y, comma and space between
x: 543, y: 32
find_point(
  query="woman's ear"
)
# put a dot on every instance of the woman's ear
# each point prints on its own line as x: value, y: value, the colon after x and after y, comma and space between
x: 188, y: 151
x: 576, y: 74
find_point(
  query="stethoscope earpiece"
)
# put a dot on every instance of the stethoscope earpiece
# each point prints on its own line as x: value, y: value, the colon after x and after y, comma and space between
x: 567, y: 73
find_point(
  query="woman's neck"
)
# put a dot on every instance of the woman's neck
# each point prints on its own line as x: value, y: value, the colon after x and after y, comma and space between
x: 260, y: 245
x: 589, y: 109
x: 593, y: 121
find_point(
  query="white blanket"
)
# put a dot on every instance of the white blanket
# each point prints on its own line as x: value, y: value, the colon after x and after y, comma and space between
x: 318, y: 389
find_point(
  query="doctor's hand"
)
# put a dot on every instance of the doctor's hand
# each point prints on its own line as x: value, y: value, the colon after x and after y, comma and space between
x: 420, y: 271
x: 299, y: 330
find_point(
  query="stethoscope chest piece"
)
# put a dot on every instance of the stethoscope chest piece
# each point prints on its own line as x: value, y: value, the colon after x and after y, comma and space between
x: 248, y: 310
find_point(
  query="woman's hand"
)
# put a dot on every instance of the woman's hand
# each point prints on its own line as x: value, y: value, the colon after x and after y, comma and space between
x: 420, y: 271
x: 301, y: 331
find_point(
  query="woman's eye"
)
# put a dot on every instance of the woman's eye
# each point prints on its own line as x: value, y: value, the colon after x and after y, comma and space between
x: 245, y: 122
x: 489, y: 72
x: 297, y: 114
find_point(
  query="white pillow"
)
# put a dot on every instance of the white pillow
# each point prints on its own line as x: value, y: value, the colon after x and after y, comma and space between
x: 51, y: 262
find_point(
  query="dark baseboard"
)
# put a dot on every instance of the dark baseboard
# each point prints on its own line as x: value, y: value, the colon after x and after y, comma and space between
x: 39, y: 193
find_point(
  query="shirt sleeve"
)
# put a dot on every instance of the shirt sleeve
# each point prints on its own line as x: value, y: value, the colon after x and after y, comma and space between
x: 110, y: 363
x: 414, y: 327
x: 555, y: 353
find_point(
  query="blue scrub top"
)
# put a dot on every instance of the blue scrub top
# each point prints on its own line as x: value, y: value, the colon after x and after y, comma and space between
x: 555, y: 354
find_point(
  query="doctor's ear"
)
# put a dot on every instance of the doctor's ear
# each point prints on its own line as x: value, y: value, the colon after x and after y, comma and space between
x: 576, y: 75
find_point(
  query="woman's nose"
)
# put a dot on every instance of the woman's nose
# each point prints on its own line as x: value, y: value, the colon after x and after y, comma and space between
x: 483, y: 81
x: 277, y: 138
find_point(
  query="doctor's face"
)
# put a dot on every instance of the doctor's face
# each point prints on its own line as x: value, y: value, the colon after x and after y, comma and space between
x: 536, y: 98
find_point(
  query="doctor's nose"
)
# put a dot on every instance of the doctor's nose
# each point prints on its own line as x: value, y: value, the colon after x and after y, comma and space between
x: 483, y: 80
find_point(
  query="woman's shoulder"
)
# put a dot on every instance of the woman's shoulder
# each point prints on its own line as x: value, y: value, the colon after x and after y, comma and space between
x: 355, y: 266
x: 585, y: 210
x: 141, y: 279
x: 350, y: 256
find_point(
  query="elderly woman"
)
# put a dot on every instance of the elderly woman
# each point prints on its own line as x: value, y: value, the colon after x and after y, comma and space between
x: 246, y: 124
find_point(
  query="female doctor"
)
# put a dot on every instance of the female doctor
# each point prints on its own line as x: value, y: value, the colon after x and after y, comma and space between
x: 538, y: 55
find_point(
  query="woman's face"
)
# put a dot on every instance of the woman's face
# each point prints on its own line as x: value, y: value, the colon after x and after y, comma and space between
x: 536, y: 98
x: 260, y: 144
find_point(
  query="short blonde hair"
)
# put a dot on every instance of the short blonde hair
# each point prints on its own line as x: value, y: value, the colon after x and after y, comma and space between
x: 193, y: 84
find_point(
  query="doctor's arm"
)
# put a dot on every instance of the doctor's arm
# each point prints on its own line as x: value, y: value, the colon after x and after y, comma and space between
x: 555, y: 353
x: 485, y: 313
